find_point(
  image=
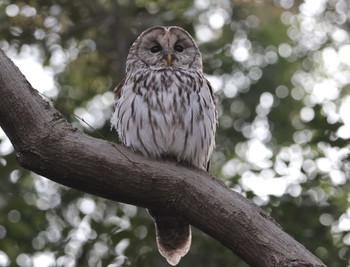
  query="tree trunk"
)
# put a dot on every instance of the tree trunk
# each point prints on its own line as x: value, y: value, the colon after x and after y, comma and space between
x: 47, y: 145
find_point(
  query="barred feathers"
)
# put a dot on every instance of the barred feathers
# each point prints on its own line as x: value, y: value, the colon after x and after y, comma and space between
x: 167, y: 120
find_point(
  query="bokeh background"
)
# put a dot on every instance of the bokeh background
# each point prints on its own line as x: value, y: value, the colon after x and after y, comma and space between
x: 281, y: 73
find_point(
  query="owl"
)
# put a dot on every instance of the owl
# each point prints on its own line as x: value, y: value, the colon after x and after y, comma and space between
x: 165, y: 108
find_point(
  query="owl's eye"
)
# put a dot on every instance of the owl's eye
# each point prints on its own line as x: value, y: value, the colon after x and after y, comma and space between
x: 156, y: 49
x: 179, y: 48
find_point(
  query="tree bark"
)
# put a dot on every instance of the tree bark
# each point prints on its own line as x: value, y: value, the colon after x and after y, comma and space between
x: 47, y: 144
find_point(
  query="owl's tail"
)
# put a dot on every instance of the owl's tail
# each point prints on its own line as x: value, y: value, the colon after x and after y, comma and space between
x: 173, y: 237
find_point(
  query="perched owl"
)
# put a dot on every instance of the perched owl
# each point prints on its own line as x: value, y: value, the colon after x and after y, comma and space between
x: 166, y: 108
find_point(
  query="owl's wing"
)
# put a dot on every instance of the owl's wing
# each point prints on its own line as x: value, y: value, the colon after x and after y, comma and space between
x: 117, y: 91
x: 208, y: 166
x: 211, y: 91
x: 216, y: 114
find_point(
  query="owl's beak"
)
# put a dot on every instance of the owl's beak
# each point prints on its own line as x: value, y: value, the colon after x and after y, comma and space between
x: 169, y: 58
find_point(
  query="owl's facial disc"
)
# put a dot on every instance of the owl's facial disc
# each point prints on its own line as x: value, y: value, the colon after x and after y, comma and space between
x: 166, y: 54
x: 169, y: 48
x: 163, y: 52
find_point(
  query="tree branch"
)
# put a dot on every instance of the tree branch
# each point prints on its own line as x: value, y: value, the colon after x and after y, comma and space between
x: 46, y: 144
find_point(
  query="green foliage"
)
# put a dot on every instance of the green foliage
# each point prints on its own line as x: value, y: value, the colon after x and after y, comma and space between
x: 281, y: 72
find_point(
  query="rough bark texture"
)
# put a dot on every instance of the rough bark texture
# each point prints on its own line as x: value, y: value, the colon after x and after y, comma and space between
x: 46, y: 144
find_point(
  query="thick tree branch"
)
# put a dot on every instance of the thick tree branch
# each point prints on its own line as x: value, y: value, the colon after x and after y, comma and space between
x: 46, y: 144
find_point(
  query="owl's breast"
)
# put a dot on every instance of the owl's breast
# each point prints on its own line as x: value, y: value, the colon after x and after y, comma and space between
x: 167, y: 114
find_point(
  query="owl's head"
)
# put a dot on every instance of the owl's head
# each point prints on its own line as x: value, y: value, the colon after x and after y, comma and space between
x: 165, y: 47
